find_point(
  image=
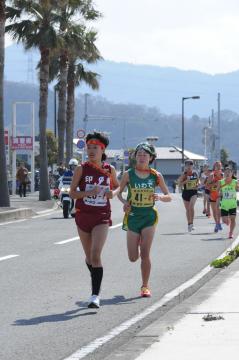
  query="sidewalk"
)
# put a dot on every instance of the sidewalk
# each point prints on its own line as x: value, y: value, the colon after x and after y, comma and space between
x: 204, y: 326
x: 25, y: 207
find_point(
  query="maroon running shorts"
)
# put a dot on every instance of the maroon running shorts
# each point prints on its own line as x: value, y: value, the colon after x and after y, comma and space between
x: 87, y: 221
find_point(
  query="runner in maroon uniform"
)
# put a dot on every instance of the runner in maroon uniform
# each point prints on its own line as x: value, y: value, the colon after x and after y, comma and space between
x: 93, y: 184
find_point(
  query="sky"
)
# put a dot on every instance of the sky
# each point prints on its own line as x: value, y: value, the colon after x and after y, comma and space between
x: 187, y: 34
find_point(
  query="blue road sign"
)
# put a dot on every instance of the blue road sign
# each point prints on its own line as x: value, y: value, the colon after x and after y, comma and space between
x: 80, y: 144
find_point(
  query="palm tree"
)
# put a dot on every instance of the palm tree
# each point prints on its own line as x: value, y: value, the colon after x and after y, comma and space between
x: 76, y: 74
x: 72, y: 36
x: 4, y: 198
x: 37, y: 30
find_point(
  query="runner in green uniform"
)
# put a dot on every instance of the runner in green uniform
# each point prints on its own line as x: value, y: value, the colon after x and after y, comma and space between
x: 140, y: 215
x: 228, y: 188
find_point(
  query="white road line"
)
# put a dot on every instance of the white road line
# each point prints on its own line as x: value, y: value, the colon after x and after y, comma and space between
x: 77, y: 237
x: 115, y: 226
x: 66, y: 241
x: 88, y: 349
x: 7, y: 257
x: 13, y: 222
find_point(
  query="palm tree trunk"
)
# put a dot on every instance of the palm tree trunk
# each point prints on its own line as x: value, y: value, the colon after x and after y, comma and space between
x: 62, y: 107
x: 70, y: 114
x: 44, y: 193
x: 4, y: 198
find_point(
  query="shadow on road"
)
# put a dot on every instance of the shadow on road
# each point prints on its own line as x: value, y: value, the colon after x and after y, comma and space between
x: 68, y: 315
x: 213, y: 239
x: 116, y: 300
x: 171, y: 234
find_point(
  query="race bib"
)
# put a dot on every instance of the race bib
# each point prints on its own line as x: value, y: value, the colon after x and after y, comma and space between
x: 142, y: 197
x: 191, y: 184
x: 229, y: 195
x: 96, y: 200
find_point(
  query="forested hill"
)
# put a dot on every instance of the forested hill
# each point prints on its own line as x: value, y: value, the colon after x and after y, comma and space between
x: 128, y: 123
x: 154, y: 86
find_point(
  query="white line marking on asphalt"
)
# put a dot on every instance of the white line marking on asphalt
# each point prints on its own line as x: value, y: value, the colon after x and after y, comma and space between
x: 115, y: 226
x: 7, y: 257
x: 77, y: 237
x: 66, y: 241
x: 13, y: 222
x: 91, y: 347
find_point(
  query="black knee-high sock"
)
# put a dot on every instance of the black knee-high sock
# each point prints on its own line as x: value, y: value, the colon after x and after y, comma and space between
x: 89, y: 266
x: 96, y: 278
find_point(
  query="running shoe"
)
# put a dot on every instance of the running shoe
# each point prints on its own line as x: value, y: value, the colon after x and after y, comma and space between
x: 220, y: 227
x: 94, y: 302
x: 216, y: 228
x: 204, y: 211
x: 193, y: 227
x: 230, y: 236
x: 190, y: 227
x: 145, y: 292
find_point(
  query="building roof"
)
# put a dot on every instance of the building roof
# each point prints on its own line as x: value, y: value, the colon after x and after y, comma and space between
x: 175, y: 153
x: 163, y: 153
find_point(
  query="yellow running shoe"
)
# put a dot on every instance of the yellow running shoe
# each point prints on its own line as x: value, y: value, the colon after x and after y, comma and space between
x: 145, y: 292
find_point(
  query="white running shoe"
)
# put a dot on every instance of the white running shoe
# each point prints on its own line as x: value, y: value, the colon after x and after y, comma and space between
x: 190, y: 227
x: 94, y: 302
x: 193, y: 227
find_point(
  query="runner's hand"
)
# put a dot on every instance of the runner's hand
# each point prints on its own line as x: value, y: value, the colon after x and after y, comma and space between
x: 94, y: 191
x: 163, y: 198
x: 127, y: 207
x: 109, y: 194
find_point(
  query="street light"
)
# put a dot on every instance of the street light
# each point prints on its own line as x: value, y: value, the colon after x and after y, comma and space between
x: 185, y: 98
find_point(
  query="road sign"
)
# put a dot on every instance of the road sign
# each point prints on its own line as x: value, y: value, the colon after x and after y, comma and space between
x: 80, y: 144
x: 80, y: 133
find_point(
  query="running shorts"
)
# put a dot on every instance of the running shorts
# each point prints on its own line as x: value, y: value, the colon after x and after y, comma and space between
x: 136, y: 221
x: 187, y: 194
x: 228, y: 212
x: 87, y: 221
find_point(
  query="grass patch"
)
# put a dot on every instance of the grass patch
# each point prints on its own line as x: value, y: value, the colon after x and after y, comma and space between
x: 227, y: 260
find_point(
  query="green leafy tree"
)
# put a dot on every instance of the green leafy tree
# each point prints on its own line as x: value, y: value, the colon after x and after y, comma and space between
x: 224, y: 156
x: 4, y: 198
x: 52, y: 149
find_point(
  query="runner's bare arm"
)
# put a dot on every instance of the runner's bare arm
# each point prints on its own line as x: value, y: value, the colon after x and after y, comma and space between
x: 166, y: 197
x: 123, y: 183
x: 77, y: 194
x: 237, y: 185
x: 182, y: 179
x: 110, y: 194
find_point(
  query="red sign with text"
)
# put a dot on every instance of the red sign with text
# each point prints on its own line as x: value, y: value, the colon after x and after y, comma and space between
x: 21, y: 142
x: 6, y: 137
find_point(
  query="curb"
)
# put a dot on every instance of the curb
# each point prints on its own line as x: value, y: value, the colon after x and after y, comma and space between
x: 16, y: 214
x: 128, y: 332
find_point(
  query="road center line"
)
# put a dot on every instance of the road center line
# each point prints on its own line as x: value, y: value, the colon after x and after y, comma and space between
x: 77, y: 237
x: 7, y: 257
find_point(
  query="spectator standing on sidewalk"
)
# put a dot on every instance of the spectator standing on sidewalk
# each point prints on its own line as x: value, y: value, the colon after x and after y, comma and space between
x: 22, y: 177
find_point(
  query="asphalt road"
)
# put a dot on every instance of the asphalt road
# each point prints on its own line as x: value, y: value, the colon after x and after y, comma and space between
x: 44, y: 290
